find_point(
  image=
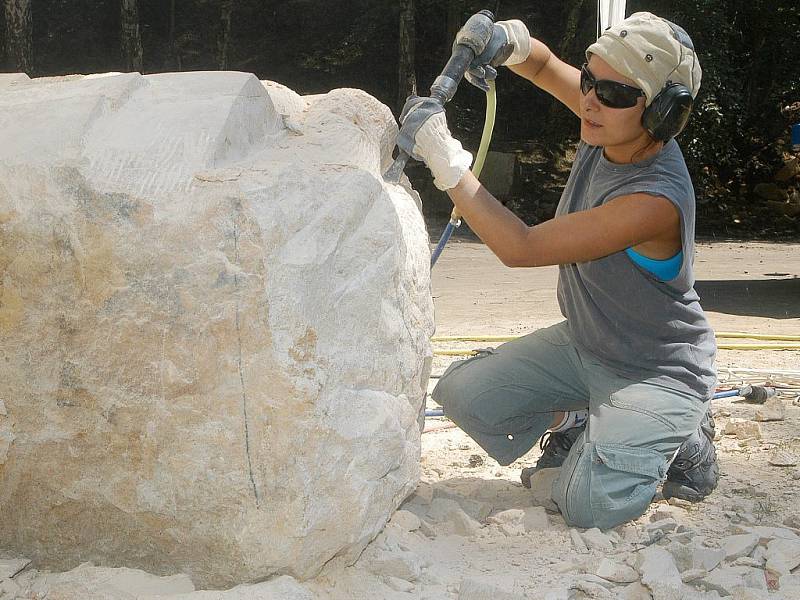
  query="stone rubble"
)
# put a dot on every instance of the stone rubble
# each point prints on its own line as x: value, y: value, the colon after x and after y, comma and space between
x: 280, y: 588
x: 448, y: 517
x: 636, y: 591
x: 726, y: 579
x: 511, y: 522
x: 693, y: 575
x: 397, y: 563
x: 746, y: 562
x: 657, y: 568
x: 593, y: 590
x: 663, y: 525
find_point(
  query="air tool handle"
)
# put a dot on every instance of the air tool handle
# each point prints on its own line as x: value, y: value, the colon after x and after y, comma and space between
x: 757, y: 394
x: 470, y: 42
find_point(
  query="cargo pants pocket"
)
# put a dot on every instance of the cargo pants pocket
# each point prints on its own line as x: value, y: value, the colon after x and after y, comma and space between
x: 607, y: 484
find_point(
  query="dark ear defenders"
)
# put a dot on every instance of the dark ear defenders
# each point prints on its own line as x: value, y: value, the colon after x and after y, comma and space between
x: 669, y: 111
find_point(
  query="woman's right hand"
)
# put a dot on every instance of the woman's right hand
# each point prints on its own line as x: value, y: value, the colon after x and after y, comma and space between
x: 510, y: 44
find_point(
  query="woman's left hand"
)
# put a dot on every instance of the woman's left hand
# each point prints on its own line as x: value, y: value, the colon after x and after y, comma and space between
x: 425, y: 136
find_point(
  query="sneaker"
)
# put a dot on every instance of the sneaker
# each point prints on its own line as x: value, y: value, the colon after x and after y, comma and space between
x: 694, y: 473
x: 555, y: 447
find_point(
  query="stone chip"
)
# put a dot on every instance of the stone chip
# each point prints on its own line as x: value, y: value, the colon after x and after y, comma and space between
x: 616, y: 572
x: 536, y: 519
x: 783, y: 556
x: 772, y: 410
x: 739, y: 545
x: 726, y: 579
x: 743, y: 429
x: 542, y: 488
x: 658, y: 568
x: 406, y: 520
x: 597, y: 540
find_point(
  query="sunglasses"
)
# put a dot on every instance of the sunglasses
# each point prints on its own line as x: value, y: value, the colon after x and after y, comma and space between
x: 610, y: 93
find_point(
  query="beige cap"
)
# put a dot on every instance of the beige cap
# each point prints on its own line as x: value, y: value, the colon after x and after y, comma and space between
x: 650, y: 51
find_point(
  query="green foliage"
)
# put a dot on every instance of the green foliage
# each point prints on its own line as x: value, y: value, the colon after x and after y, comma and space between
x: 737, y: 132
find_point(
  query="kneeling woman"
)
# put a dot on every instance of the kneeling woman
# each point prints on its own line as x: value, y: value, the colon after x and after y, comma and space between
x: 623, y: 385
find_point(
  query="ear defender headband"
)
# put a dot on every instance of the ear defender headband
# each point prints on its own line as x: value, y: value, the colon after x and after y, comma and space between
x: 669, y: 111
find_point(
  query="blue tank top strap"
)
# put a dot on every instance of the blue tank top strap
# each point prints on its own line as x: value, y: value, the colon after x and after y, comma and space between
x: 665, y: 269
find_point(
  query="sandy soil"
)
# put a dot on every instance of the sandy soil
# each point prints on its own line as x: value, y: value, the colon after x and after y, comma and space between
x: 453, y: 539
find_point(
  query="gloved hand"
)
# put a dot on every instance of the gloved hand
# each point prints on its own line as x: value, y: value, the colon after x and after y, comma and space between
x: 425, y: 136
x: 510, y: 44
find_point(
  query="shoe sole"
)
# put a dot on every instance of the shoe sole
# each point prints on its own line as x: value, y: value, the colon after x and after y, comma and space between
x: 674, y: 490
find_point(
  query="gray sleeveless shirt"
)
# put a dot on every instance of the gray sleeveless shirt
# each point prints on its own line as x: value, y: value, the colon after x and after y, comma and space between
x: 635, y: 324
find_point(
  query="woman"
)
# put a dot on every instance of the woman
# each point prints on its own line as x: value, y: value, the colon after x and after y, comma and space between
x: 624, y: 384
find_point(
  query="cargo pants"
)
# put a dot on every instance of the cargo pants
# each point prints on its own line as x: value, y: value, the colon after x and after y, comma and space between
x: 505, y: 399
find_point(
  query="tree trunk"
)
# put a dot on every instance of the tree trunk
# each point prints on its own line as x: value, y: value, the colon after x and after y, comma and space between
x: 173, y: 58
x: 455, y: 19
x: 407, y: 78
x: 571, y: 30
x: 223, y: 39
x: 18, y: 35
x: 556, y: 114
x: 131, y: 36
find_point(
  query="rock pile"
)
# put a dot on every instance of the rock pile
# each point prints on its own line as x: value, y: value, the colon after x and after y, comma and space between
x: 657, y: 558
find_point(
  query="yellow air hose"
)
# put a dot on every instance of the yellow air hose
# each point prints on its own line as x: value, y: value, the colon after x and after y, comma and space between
x: 486, y: 138
x: 719, y: 335
x: 488, y: 129
x: 477, y: 167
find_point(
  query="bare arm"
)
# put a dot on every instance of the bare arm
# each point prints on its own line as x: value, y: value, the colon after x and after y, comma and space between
x: 545, y: 70
x: 578, y: 237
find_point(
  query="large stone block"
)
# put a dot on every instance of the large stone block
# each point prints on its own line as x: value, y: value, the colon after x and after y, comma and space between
x: 214, y: 324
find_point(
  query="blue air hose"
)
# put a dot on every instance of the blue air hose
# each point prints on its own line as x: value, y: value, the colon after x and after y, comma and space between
x: 480, y: 160
x: 448, y: 231
x: 754, y: 393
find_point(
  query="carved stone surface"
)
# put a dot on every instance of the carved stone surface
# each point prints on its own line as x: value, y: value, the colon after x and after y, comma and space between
x: 214, y: 324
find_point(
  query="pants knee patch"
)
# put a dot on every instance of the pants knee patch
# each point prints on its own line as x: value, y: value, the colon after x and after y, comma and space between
x: 607, y: 484
x: 456, y: 383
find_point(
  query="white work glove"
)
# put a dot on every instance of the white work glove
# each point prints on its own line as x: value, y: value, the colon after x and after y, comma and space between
x: 510, y: 44
x: 519, y: 37
x: 425, y: 136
